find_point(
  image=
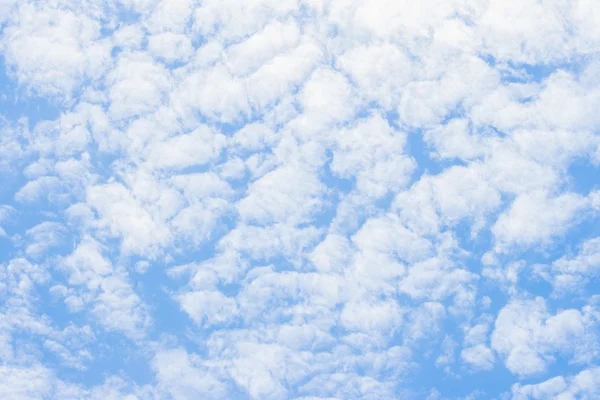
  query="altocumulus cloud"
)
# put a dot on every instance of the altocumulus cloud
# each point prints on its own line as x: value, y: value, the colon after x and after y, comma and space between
x: 299, y: 199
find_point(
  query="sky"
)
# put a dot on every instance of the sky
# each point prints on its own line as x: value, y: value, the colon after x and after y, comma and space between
x: 299, y: 199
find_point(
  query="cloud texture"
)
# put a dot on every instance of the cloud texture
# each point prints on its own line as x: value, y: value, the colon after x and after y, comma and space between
x: 299, y: 199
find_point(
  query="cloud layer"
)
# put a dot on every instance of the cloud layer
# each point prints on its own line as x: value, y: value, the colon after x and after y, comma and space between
x: 299, y: 199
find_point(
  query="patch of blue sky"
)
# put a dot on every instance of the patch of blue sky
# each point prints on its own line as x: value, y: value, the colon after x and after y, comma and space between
x: 583, y: 176
x: 520, y: 72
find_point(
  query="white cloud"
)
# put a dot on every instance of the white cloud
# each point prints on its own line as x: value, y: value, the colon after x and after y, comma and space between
x: 584, y: 385
x: 208, y: 308
x: 33, y: 190
x: 181, y: 376
x: 43, y: 237
x: 379, y: 70
x: 569, y: 274
x: 215, y: 93
x: 528, y: 337
x: 111, y: 298
x: 128, y: 36
x: 252, y: 53
x: 332, y: 254
x: 372, y: 153
x: 170, y: 15
x: 388, y: 235
x: 445, y: 199
x: 427, y: 102
x: 137, y: 85
x: 536, y: 218
x: 170, y: 46
x: 121, y: 215
x: 53, y: 50
x: 479, y: 357
x: 12, y: 150
x: 195, y: 148
x: 380, y: 318
x: 327, y: 96
x: 525, y: 31
x: 456, y: 139
x: 290, y: 192
x: 436, y: 279
x: 21, y: 383
x: 425, y: 322
x: 231, y: 23
x: 254, y: 137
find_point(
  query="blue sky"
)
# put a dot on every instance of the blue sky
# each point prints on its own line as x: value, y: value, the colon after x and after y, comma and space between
x: 299, y: 199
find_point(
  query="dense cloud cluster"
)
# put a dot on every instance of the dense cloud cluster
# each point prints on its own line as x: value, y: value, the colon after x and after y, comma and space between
x: 299, y: 199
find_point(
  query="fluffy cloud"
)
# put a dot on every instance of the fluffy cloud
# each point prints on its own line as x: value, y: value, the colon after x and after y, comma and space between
x: 584, y: 385
x: 109, y: 294
x: 53, y: 50
x: 299, y: 199
x: 289, y: 192
x: 534, y: 218
x: 530, y: 344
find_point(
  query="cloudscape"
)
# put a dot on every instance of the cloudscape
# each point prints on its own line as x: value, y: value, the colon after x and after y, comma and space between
x: 299, y: 199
